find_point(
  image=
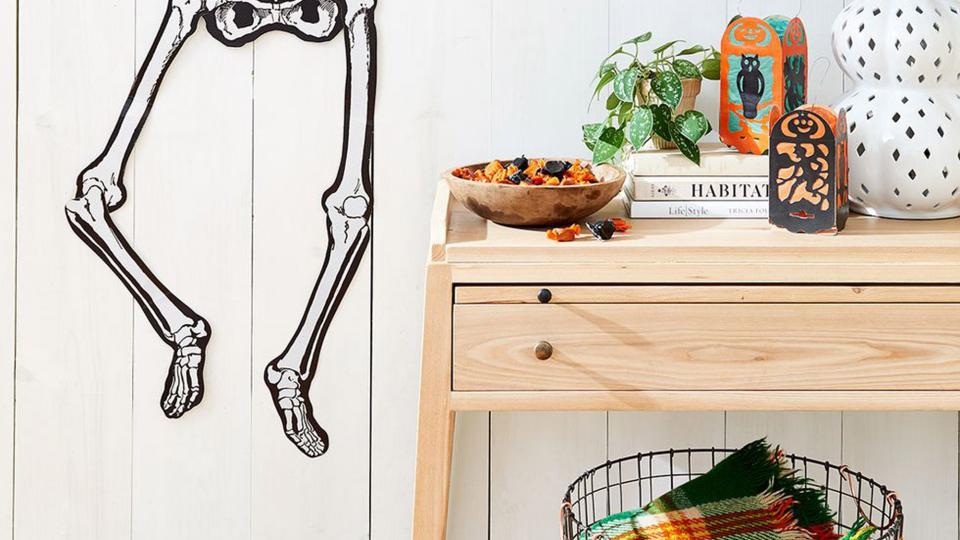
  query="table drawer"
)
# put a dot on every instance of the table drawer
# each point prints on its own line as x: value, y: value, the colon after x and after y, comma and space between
x: 707, y: 346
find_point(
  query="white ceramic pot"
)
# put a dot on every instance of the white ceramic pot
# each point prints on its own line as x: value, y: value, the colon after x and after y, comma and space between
x: 904, y: 110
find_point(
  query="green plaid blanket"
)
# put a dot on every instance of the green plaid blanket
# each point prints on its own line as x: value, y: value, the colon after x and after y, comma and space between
x: 860, y: 531
x: 750, y: 495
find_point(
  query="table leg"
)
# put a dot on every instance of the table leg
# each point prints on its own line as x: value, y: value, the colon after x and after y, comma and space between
x: 434, y: 457
x: 437, y: 419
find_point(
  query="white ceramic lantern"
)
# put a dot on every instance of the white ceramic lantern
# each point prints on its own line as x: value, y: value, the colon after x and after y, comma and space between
x: 903, y: 113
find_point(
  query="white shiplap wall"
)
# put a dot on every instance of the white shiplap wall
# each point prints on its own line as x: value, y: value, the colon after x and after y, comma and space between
x: 224, y: 204
x: 74, y: 328
x: 8, y: 213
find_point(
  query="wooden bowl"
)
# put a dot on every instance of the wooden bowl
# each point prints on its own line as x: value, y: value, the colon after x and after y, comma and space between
x: 537, y: 206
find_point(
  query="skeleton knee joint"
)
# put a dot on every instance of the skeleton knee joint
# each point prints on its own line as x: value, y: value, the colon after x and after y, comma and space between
x: 107, y: 182
x: 355, y: 207
x: 350, y: 207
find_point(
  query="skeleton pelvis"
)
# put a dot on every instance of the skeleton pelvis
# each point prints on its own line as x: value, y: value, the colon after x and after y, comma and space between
x: 236, y: 22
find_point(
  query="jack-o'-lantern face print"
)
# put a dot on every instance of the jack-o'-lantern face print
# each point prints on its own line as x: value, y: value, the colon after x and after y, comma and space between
x: 795, y: 34
x: 804, y: 125
x: 748, y: 31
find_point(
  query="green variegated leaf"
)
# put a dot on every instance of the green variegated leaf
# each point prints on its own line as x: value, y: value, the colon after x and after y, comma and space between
x: 624, y: 113
x: 591, y: 132
x: 662, y: 117
x: 604, y: 80
x: 666, y: 85
x: 711, y: 69
x: 666, y: 46
x: 624, y: 85
x: 607, y: 59
x: 640, y: 127
x: 687, y: 147
x: 686, y: 69
x: 692, y: 125
x: 691, y: 50
x: 608, y: 144
x: 612, y: 102
x: 642, y: 38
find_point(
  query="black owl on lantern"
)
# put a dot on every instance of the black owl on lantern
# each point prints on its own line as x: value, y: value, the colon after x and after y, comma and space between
x: 809, y: 183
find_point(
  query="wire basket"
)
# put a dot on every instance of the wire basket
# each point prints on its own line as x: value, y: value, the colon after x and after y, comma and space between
x: 632, y: 482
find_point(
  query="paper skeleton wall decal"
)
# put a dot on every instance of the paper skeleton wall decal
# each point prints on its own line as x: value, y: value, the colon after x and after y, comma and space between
x: 348, y: 201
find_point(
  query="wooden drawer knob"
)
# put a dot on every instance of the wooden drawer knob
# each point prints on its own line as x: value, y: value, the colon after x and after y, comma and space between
x: 543, y: 350
x: 544, y: 296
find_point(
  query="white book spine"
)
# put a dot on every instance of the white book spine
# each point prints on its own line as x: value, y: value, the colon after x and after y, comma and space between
x: 697, y: 209
x: 715, y: 160
x: 700, y: 188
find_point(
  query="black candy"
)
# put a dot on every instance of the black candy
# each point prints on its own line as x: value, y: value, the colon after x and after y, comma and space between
x: 603, y: 230
x: 556, y: 168
x: 521, y: 163
x: 517, y: 177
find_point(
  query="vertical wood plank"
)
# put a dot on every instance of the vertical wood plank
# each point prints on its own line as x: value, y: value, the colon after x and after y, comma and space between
x: 642, y: 432
x: 632, y: 433
x: 193, y: 227
x: 74, y: 321
x: 669, y: 21
x: 540, y: 92
x: 825, y: 84
x: 433, y: 112
x: 8, y: 254
x: 545, y: 53
x: 467, y: 519
x: 914, y: 454
x: 298, y: 109
x: 534, y: 457
x: 816, y: 435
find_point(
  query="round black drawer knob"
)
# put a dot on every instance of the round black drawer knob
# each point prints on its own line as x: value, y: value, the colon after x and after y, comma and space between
x: 543, y: 350
x: 544, y: 296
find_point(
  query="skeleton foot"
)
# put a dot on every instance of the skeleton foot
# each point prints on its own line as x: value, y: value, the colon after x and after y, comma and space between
x: 289, y: 394
x: 183, y: 389
x: 182, y: 329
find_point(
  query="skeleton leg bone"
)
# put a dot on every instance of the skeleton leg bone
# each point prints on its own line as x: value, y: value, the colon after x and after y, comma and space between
x: 100, y: 191
x: 348, y: 204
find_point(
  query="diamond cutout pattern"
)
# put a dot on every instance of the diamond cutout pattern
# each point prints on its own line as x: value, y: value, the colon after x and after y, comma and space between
x: 903, y: 51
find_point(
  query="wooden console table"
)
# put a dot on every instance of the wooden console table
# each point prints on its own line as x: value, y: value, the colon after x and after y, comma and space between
x: 681, y: 315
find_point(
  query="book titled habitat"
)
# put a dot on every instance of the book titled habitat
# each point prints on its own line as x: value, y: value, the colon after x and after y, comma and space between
x: 706, y: 188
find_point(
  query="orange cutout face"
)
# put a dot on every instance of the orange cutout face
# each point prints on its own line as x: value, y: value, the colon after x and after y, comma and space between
x: 750, y: 32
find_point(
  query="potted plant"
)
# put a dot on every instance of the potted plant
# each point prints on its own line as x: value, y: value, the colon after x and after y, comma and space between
x: 654, y: 99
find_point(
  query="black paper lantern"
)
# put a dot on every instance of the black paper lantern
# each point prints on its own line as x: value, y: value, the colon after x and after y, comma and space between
x: 809, y: 181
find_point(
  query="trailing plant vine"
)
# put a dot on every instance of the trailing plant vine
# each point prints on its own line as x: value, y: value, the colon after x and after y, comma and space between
x: 645, y: 97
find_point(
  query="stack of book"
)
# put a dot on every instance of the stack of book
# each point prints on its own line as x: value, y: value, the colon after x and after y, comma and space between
x: 725, y: 185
